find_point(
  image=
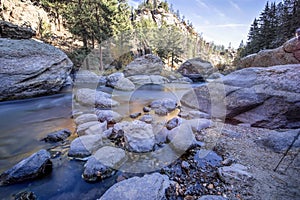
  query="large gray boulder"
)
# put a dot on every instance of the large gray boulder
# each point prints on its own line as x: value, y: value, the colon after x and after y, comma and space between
x: 196, y: 69
x: 84, y: 146
x: 148, y: 79
x: 94, y: 170
x: 36, y: 165
x: 146, y: 65
x: 30, y: 68
x: 288, y: 53
x: 148, y: 187
x: 262, y: 97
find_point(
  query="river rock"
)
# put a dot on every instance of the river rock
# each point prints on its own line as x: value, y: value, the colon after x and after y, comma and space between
x: 124, y: 84
x: 114, y: 78
x: 86, y: 77
x: 83, y: 127
x: 84, y: 146
x: 148, y: 187
x: 96, y: 129
x: 110, y: 116
x: 199, y: 124
x: 25, y: 195
x: 148, y: 79
x: 234, y: 174
x: 146, y: 65
x: 147, y: 118
x: 111, y: 156
x: 138, y: 135
x: 135, y: 115
x: 31, y: 68
x: 89, y: 97
x: 36, y: 165
x: 81, y: 119
x: 174, y: 122
x: 196, y: 69
x: 163, y: 106
x: 262, y: 97
x: 94, y: 170
x: 280, y: 141
x: 57, y: 136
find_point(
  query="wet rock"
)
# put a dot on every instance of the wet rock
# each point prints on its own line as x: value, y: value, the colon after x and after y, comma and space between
x: 111, y: 156
x: 57, y: 136
x: 89, y: 97
x: 148, y: 187
x: 163, y: 106
x: 147, y: 118
x: 25, y: 195
x: 96, y: 129
x: 174, y: 122
x: 146, y: 65
x: 212, y: 197
x: 124, y: 84
x: 94, y: 170
x: 113, y: 79
x: 138, y: 136
x: 135, y: 115
x: 84, y: 146
x: 234, y: 174
x: 35, y: 166
x: 86, y: 77
x: 146, y: 109
x: 110, y: 116
x: 81, y: 119
x: 83, y: 127
x: 280, y: 141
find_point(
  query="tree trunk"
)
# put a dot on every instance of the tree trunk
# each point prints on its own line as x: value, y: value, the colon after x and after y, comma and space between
x: 101, y: 58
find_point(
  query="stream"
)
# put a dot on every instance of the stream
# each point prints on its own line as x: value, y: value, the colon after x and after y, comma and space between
x: 23, y: 123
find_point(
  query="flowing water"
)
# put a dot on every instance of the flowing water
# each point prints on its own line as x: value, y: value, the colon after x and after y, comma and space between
x: 24, y: 123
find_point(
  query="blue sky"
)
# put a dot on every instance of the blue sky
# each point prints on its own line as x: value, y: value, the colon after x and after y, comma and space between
x: 221, y: 21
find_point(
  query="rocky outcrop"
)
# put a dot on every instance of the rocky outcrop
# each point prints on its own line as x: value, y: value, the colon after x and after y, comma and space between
x: 31, y: 68
x: 37, y: 165
x: 262, y: 97
x: 148, y: 187
x: 196, y: 69
x: 146, y: 65
x: 289, y: 53
x: 9, y: 30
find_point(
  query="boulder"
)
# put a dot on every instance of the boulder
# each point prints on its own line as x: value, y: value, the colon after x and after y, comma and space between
x: 111, y: 156
x: 147, y: 118
x: 9, y: 30
x: 196, y: 69
x: 110, y: 116
x: 146, y: 65
x: 84, y: 146
x: 174, y: 122
x: 31, y: 68
x: 148, y: 79
x: 114, y: 78
x: 35, y: 166
x: 57, y: 136
x: 286, y: 54
x: 94, y: 170
x: 124, y: 84
x: 138, y: 135
x: 83, y: 127
x: 262, y: 97
x: 280, y: 141
x: 89, y: 97
x: 163, y: 106
x: 86, y: 77
x: 148, y: 187
x: 81, y: 119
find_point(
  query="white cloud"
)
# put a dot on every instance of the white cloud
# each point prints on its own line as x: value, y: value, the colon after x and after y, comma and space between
x: 202, y: 4
x: 133, y: 3
x: 233, y: 4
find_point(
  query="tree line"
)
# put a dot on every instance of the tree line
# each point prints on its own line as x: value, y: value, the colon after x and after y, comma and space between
x: 275, y: 25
